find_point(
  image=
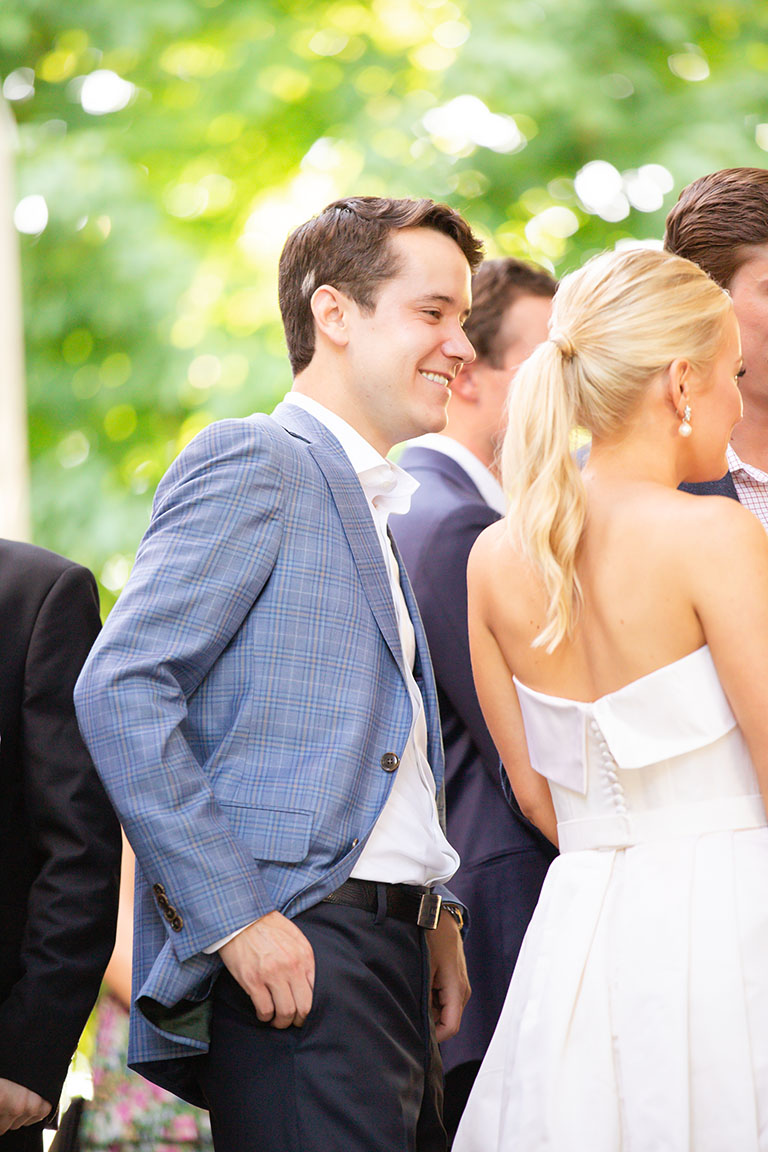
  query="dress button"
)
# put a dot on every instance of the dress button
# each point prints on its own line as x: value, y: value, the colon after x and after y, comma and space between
x: 177, y: 923
x: 158, y: 890
x: 390, y: 761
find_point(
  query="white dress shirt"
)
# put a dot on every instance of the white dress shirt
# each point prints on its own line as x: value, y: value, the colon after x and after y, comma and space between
x: 483, y: 479
x: 407, y: 844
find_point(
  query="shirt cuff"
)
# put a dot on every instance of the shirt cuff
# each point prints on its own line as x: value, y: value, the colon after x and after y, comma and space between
x: 226, y: 939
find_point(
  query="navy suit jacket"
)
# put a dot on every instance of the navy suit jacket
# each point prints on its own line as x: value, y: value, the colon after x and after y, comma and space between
x: 723, y: 487
x: 504, y: 858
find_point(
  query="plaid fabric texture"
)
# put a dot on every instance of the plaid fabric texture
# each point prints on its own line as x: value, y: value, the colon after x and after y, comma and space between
x: 242, y: 693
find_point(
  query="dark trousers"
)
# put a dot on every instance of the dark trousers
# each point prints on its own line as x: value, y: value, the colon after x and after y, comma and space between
x: 27, y: 1139
x: 363, y: 1074
x: 458, y: 1085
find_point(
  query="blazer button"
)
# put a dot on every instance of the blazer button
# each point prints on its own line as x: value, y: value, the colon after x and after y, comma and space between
x: 158, y: 890
x: 177, y: 923
x: 389, y: 761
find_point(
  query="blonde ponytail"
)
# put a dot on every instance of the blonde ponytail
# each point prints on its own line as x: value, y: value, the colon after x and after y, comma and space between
x: 543, y: 483
x: 616, y: 324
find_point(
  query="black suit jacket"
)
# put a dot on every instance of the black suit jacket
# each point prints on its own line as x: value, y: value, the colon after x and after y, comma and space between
x: 59, y: 837
x: 504, y: 858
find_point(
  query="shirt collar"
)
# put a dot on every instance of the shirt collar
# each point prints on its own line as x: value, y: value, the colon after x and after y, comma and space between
x: 483, y: 479
x: 735, y: 465
x: 387, y: 487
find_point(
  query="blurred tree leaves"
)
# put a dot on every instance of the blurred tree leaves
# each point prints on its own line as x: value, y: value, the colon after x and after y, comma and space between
x: 150, y: 294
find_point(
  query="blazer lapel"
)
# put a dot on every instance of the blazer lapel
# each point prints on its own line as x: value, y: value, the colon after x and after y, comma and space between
x: 422, y: 672
x: 355, y: 516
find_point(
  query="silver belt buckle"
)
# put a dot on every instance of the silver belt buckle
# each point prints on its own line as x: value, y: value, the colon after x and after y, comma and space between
x: 429, y: 910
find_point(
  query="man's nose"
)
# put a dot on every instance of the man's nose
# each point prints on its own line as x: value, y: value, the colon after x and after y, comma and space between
x: 459, y: 347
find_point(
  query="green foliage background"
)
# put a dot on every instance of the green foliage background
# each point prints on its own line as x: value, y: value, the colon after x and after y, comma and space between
x: 150, y: 296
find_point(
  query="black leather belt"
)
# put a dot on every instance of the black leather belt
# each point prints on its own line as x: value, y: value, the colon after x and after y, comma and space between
x: 418, y: 906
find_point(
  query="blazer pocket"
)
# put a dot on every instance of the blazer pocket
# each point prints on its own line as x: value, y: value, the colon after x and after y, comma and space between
x: 280, y: 834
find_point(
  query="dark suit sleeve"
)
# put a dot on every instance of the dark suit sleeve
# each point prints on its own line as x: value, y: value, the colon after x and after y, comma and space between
x: 72, y: 904
x: 441, y: 591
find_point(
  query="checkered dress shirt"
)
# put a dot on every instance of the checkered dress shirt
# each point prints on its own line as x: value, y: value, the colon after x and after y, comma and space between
x: 751, y: 485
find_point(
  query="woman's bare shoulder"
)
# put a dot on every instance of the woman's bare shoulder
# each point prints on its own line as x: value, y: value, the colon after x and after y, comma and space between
x: 495, y: 552
x: 707, y: 524
x: 503, y: 583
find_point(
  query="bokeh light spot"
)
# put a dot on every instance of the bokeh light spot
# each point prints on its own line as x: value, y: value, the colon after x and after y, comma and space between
x: 225, y: 129
x: 466, y: 121
x: 204, y: 372
x: 326, y: 42
x: 115, y: 573
x: 115, y: 370
x: 31, y: 215
x: 690, y: 66
x: 19, y: 85
x: 57, y: 66
x: 186, y: 201
x: 86, y: 383
x: 451, y: 34
x: 77, y: 346
x: 73, y: 450
x: 103, y: 91
x: 120, y: 422
x: 617, y: 86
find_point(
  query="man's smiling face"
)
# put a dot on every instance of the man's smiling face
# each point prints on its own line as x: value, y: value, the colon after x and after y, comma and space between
x: 405, y: 353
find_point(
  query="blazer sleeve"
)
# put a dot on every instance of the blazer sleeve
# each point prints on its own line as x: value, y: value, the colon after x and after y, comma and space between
x: 72, y: 904
x: 211, y: 546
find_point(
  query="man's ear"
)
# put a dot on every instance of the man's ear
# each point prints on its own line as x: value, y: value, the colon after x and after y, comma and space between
x: 330, y: 310
x: 466, y: 383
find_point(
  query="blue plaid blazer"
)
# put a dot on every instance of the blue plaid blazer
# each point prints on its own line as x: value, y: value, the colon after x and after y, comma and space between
x: 239, y: 701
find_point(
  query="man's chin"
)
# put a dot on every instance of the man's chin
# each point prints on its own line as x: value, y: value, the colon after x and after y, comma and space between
x: 439, y: 421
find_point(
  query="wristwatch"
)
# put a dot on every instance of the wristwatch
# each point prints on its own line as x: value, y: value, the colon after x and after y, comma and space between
x: 456, y: 911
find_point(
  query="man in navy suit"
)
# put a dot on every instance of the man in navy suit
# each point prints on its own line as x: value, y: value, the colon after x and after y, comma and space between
x: 262, y: 709
x: 59, y: 837
x: 720, y: 222
x: 504, y: 859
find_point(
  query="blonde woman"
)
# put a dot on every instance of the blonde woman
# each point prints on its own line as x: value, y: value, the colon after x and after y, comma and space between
x: 619, y: 633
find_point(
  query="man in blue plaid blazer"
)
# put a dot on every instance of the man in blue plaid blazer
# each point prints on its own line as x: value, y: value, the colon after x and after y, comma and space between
x: 262, y: 710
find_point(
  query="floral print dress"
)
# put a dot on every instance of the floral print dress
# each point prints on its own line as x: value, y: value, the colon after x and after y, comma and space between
x: 127, y: 1113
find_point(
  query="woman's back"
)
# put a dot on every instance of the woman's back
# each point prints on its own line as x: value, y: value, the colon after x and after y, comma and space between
x: 644, y: 555
x: 619, y: 633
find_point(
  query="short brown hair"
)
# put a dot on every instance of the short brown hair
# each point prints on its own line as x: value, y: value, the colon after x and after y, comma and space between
x: 347, y: 247
x: 496, y: 286
x: 717, y: 218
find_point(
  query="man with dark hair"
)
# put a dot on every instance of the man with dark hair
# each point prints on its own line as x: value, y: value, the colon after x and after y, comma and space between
x: 262, y: 708
x: 721, y: 223
x: 59, y: 838
x: 503, y: 858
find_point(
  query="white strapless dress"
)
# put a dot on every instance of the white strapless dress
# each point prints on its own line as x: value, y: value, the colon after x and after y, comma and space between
x: 637, y: 1016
